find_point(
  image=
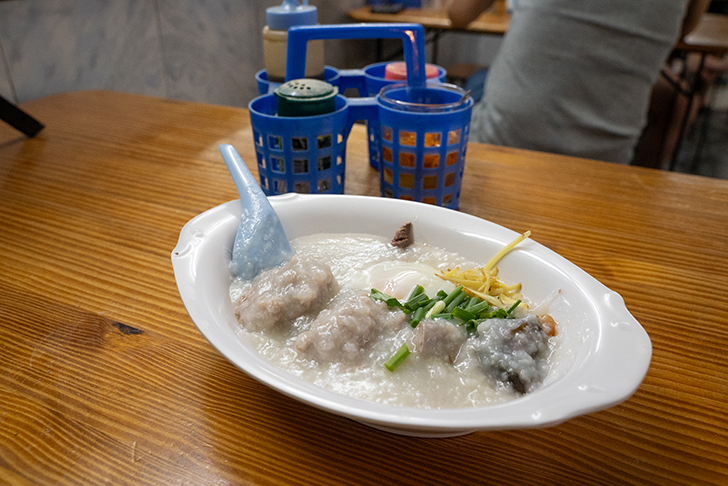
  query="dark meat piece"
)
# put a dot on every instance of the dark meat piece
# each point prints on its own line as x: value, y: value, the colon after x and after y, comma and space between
x: 404, y: 236
x: 513, y: 351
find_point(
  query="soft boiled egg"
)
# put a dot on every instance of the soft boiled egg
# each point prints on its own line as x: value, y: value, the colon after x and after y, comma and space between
x: 398, y: 278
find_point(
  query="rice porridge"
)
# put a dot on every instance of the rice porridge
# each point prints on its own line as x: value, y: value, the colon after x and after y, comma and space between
x: 316, y: 317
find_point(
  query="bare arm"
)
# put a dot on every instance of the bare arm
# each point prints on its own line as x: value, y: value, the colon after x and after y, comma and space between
x: 462, y: 12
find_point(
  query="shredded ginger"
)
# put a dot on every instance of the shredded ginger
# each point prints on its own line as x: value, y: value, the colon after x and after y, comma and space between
x: 484, y: 283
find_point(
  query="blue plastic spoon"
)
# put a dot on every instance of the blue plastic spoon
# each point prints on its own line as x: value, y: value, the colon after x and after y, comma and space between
x: 261, y: 242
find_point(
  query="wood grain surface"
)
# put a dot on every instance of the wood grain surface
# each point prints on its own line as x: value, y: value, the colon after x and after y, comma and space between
x: 104, y: 379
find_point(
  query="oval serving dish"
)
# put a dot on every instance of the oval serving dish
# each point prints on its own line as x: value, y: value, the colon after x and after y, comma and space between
x: 607, y: 352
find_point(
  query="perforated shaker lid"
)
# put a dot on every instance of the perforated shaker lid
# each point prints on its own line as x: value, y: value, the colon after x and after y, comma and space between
x: 305, y: 97
x: 290, y: 13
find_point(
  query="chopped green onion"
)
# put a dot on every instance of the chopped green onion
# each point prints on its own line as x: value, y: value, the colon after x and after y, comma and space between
x: 398, y: 357
x: 499, y: 314
x: 461, y: 313
x: 444, y: 315
x: 479, y: 308
x: 456, y: 301
x: 419, y: 315
x: 437, y: 307
x: 387, y: 299
x: 417, y: 301
x: 441, y: 294
x: 417, y: 290
x: 472, y: 303
x: 451, y: 296
x: 513, y: 307
x: 432, y: 304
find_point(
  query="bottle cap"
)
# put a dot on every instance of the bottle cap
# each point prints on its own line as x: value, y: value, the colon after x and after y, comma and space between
x: 290, y: 13
x: 398, y: 71
x: 305, y: 97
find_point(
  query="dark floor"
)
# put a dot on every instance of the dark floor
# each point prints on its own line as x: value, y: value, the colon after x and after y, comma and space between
x: 705, y: 151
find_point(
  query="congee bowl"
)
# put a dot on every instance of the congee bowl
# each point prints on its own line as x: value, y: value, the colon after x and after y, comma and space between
x: 606, y: 353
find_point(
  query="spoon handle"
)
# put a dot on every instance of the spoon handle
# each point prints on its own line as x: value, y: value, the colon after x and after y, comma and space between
x: 245, y: 183
x: 261, y: 241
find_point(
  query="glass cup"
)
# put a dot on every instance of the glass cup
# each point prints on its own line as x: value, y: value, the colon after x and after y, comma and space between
x: 423, y: 133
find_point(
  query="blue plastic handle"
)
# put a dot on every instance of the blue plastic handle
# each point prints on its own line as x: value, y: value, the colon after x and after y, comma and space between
x: 353, y: 79
x: 412, y: 35
x: 362, y: 109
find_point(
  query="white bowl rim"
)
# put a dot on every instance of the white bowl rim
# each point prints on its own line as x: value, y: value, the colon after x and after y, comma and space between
x: 618, y: 356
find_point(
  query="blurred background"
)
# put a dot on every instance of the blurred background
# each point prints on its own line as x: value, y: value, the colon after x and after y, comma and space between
x: 193, y: 50
x: 209, y: 51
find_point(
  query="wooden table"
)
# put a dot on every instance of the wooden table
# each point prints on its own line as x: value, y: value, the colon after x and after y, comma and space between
x: 104, y: 379
x: 435, y: 21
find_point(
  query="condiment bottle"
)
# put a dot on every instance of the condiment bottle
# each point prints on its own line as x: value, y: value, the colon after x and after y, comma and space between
x: 305, y: 97
x: 275, y: 40
x: 398, y: 71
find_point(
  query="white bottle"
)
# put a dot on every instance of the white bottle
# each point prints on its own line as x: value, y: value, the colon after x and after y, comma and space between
x: 275, y: 40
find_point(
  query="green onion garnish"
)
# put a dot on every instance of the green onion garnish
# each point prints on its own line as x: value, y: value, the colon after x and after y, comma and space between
x: 451, y: 296
x: 513, y: 307
x: 417, y: 290
x: 417, y: 301
x: 461, y: 313
x: 472, y: 303
x: 398, y: 357
x: 456, y: 301
x: 387, y: 299
x: 436, y: 308
x: 431, y: 304
x: 479, y: 308
x: 419, y: 315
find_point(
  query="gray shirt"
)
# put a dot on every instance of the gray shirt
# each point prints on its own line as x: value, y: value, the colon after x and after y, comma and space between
x: 574, y: 76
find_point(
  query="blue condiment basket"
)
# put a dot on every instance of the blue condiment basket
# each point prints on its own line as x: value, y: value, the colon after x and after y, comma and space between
x: 308, y: 154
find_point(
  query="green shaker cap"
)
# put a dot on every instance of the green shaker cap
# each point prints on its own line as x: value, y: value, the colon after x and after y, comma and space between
x: 305, y: 97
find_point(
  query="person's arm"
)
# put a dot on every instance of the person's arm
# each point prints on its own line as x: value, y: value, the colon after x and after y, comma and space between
x: 695, y: 10
x: 462, y: 12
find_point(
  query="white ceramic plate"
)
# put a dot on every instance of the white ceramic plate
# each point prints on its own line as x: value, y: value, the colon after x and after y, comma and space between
x: 608, y: 352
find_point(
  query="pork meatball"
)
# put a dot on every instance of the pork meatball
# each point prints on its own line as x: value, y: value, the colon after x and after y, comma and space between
x: 439, y: 338
x: 342, y: 332
x: 282, y: 294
